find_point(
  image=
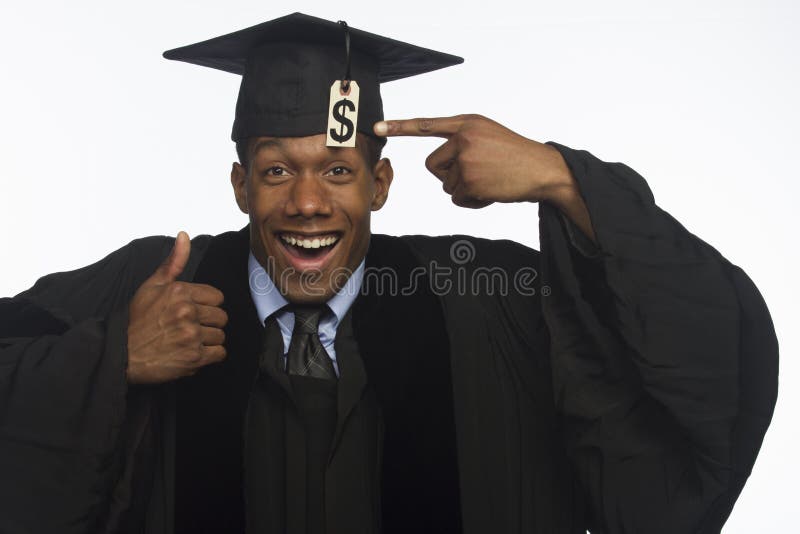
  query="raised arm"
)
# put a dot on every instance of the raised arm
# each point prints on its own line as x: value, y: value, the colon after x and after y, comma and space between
x: 664, y: 356
x: 69, y: 348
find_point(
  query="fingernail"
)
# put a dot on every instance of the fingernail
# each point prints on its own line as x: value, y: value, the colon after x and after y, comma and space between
x: 381, y: 128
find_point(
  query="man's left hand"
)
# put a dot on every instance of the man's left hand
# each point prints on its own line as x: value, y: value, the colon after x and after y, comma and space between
x: 482, y: 162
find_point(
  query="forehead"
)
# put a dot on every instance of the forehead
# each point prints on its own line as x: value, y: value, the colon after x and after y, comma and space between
x: 312, y: 146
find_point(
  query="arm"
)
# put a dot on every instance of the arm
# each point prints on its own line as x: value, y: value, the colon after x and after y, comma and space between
x: 70, y: 346
x: 664, y: 356
x: 62, y: 396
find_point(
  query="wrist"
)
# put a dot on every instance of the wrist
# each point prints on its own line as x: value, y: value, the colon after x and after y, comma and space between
x: 555, y: 183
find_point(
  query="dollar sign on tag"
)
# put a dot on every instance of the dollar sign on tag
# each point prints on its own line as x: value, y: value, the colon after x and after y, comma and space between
x: 345, y: 124
x: 343, y: 115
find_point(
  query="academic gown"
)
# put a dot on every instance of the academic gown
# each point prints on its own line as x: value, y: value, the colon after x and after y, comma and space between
x: 629, y: 392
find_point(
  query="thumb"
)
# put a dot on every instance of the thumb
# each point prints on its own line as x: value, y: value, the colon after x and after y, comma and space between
x: 174, y: 263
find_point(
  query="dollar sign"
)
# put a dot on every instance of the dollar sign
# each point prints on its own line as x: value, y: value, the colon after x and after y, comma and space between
x: 346, y: 125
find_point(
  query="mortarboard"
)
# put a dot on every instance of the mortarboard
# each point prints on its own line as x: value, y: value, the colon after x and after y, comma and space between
x: 289, y: 66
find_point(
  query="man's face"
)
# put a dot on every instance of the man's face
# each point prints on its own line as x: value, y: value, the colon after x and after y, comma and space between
x: 309, y: 208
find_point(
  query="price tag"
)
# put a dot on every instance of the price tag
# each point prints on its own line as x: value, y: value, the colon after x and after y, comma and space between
x: 343, y: 114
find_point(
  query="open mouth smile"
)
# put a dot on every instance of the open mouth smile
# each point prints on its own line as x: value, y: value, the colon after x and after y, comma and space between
x: 305, y: 252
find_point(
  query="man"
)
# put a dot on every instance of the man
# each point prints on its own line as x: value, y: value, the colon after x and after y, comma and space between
x: 264, y: 380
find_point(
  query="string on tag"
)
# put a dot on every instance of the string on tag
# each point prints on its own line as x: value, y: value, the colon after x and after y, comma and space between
x: 346, y: 78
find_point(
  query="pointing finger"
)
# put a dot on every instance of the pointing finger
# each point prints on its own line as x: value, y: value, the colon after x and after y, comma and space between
x: 436, y: 127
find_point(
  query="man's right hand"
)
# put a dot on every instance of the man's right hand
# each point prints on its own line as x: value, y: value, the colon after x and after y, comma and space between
x: 174, y: 328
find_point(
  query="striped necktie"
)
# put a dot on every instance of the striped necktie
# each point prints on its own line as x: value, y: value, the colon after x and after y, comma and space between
x: 307, y: 356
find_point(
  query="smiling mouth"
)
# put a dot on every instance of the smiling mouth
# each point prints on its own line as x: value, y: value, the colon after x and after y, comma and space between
x: 306, y: 247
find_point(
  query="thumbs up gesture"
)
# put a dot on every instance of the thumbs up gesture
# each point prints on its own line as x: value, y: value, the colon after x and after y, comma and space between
x: 174, y: 328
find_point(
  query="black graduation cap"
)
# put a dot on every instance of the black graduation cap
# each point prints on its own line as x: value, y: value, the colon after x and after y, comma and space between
x: 289, y: 64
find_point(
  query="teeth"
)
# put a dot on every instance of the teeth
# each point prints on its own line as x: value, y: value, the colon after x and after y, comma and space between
x: 315, y: 242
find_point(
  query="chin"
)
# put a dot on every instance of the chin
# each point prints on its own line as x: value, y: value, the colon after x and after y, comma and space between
x: 309, y: 295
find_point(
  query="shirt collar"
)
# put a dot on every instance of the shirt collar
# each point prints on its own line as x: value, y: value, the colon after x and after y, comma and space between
x: 268, y: 299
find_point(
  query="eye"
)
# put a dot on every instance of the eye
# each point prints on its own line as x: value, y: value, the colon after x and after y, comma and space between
x: 339, y: 171
x: 275, y: 171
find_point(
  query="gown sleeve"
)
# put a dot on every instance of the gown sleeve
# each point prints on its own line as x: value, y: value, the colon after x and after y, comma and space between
x: 664, y: 359
x: 63, y: 360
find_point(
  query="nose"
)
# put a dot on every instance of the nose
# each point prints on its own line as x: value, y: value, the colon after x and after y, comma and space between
x: 308, y: 198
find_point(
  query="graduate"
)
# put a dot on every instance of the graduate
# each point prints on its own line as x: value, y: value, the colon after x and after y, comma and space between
x: 305, y: 376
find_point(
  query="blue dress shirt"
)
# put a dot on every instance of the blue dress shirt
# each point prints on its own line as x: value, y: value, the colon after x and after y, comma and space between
x: 269, y: 300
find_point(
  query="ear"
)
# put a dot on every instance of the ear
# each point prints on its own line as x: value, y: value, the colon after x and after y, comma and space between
x: 383, y: 174
x: 239, y: 183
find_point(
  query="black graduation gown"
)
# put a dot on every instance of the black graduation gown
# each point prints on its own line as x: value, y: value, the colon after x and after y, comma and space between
x: 630, y: 393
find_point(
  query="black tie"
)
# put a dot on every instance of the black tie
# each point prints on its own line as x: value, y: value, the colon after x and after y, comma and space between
x: 307, y: 356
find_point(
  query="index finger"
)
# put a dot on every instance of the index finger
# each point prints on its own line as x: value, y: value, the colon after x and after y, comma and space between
x: 436, y: 127
x: 206, y: 294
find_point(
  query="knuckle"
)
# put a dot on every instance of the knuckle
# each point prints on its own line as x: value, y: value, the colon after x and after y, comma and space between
x: 176, y: 288
x: 425, y: 125
x: 185, y: 311
x: 466, y: 137
x: 464, y: 144
x: 193, y: 356
x: 460, y: 199
x: 429, y: 163
x: 189, y: 333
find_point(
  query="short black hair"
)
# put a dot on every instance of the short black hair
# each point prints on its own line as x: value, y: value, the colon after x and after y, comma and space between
x: 371, y: 147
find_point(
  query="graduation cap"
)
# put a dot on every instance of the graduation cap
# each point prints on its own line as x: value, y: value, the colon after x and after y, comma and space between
x: 303, y: 75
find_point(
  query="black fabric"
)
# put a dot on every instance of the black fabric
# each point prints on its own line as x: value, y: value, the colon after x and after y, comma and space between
x: 285, y: 91
x: 271, y: 444
x: 210, y: 405
x: 512, y: 467
x: 402, y: 337
x: 631, y: 396
x: 289, y: 64
x: 313, y: 381
x: 654, y: 346
x: 396, y: 59
x: 395, y: 428
x: 279, y: 456
x: 316, y: 400
x: 65, y: 460
x: 352, y: 484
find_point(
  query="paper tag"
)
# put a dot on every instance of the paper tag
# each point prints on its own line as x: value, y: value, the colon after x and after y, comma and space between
x: 343, y: 115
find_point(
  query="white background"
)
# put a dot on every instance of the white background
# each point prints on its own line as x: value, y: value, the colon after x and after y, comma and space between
x: 102, y: 140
